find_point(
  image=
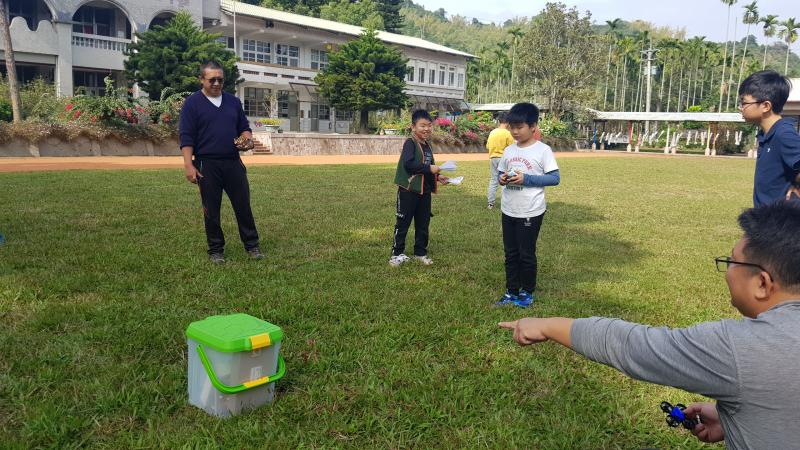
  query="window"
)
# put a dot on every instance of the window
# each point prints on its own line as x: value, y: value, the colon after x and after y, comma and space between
x: 256, y: 51
x: 91, y: 20
x: 287, y: 55
x: 319, y: 60
x: 283, y: 104
x: 24, y: 9
x: 461, y: 80
x: 344, y: 115
x: 432, y: 77
x: 410, y: 74
x: 320, y: 111
x: 451, y: 80
x: 226, y: 41
x: 421, y: 74
x: 89, y: 83
x: 441, y: 75
x: 256, y: 102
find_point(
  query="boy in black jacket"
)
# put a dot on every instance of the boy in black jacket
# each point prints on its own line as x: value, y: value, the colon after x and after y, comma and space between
x: 416, y: 178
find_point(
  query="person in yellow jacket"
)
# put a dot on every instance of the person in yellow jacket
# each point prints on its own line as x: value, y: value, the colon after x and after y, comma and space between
x: 498, y: 140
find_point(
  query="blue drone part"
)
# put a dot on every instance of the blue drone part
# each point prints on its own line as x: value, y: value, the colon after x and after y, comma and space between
x: 676, y: 416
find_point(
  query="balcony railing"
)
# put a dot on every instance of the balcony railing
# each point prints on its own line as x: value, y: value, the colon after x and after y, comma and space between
x: 100, y: 42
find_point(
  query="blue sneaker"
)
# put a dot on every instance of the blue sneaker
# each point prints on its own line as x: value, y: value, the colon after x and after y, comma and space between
x: 524, y: 299
x: 507, y: 299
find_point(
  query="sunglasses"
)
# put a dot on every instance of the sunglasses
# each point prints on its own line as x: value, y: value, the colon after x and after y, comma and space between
x: 213, y: 81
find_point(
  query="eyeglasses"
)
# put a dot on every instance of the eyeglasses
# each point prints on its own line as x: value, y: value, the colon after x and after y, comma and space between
x: 214, y: 81
x: 724, y: 262
x: 744, y: 105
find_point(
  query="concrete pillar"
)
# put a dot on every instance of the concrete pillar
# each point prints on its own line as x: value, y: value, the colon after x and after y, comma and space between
x: 666, y: 143
x: 64, y: 82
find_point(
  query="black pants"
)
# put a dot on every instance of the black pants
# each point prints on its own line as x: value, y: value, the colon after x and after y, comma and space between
x: 519, y: 242
x: 411, y: 205
x: 227, y: 175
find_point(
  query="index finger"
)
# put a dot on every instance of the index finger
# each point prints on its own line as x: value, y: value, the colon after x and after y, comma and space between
x: 508, y: 325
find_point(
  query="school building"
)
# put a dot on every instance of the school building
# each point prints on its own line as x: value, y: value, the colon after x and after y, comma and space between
x: 75, y: 44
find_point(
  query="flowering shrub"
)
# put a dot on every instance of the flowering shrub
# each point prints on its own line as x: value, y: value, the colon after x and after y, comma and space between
x: 117, y: 115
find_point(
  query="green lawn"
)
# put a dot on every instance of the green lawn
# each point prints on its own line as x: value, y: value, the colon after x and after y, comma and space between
x: 104, y: 270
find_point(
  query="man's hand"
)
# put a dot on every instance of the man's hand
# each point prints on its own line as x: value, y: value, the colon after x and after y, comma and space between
x: 503, y: 180
x: 793, y: 191
x: 434, y: 169
x: 527, y: 331
x: 244, y: 142
x: 710, y: 429
x: 442, y: 179
x: 192, y: 174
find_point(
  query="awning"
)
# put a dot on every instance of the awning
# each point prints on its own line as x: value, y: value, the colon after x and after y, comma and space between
x: 441, y: 103
x: 310, y: 89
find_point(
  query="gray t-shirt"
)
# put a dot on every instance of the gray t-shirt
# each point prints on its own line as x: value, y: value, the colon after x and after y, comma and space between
x: 750, y: 366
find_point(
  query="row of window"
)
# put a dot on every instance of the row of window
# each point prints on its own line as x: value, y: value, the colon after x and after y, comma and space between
x: 257, y: 104
x: 445, y: 76
x: 284, y: 54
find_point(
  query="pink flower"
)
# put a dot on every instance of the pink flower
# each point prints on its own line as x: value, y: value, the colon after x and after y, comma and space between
x: 69, y: 107
x: 77, y: 114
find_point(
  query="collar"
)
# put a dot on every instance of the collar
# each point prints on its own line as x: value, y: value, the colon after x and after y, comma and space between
x: 762, y: 138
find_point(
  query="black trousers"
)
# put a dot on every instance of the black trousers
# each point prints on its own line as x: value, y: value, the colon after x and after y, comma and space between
x: 416, y: 207
x: 227, y: 175
x: 519, y: 243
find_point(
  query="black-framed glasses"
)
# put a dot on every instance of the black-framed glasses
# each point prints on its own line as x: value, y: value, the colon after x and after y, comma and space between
x: 724, y: 262
x: 216, y: 80
x: 743, y: 105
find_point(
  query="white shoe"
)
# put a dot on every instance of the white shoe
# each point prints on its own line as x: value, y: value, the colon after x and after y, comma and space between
x: 396, y: 260
x: 424, y: 260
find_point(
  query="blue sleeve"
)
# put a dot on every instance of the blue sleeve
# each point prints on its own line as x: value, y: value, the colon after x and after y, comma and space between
x: 186, y: 124
x: 243, y: 124
x: 548, y: 179
x: 791, y: 149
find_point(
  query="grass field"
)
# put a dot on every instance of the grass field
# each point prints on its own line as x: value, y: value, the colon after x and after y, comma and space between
x: 104, y: 270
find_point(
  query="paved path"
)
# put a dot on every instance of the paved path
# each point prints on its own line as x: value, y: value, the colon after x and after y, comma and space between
x: 32, y: 164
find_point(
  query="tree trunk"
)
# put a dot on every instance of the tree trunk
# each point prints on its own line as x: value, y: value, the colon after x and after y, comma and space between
x: 786, y: 64
x: 744, y: 55
x: 11, y: 64
x: 724, y: 58
x: 764, y: 63
x: 363, y: 126
x: 616, y: 84
x: 733, y: 62
x: 608, y: 70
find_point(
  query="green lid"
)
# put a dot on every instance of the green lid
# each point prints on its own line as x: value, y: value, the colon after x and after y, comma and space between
x: 234, y: 333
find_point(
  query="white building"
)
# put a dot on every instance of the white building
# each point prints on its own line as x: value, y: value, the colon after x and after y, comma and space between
x: 77, y: 43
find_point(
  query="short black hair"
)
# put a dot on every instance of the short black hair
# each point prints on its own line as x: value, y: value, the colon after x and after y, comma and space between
x: 767, y: 85
x: 771, y: 233
x: 502, y: 118
x: 523, y: 113
x: 420, y: 114
x: 210, y: 65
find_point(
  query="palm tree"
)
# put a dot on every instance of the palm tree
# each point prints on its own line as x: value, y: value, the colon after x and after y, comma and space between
x: 730, y: 3
x: 11, y: 64
x: 613, y: 25
x: 770, y: 22
x: 750, y: 18
x: 627, y: 48
x: 789, y: 33
x: 516, y: 34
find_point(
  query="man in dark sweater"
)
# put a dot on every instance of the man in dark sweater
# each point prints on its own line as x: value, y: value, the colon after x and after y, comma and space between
x: 213, y: 129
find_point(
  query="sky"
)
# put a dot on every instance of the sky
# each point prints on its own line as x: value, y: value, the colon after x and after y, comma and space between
x: 699, y: 17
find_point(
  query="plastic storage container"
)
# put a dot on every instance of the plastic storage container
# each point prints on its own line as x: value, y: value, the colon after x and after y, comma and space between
x: 234, y: 362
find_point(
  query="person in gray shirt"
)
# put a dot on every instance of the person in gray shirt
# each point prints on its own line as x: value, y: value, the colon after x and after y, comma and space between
x: 751, y: 366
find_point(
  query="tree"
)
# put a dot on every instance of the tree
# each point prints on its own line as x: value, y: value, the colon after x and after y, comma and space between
x: 364, y: 13
x: 390, y: 11
x: 516, y: 34
x: 750, y: 18
x: 770, y: 23
x: 364, y: 75
x: 789, y: 35
x: 171, y: 55
x: 11, y: 64
x: 613, y: 26
x: 564, y: 57
x: 730, y: 3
